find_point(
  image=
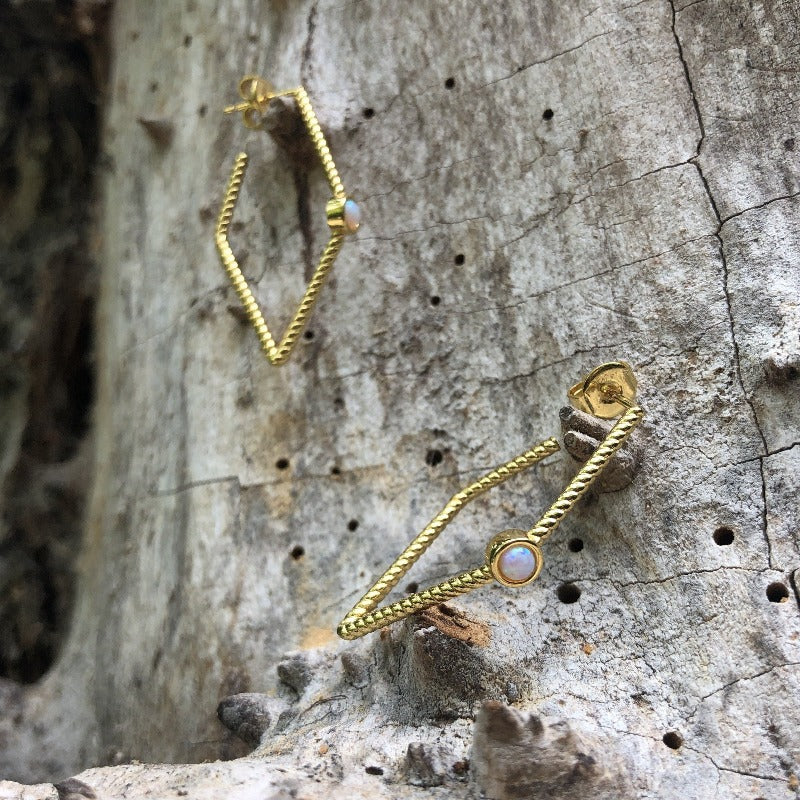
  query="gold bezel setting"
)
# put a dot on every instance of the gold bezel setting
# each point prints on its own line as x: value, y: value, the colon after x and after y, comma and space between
x: 530, y: 558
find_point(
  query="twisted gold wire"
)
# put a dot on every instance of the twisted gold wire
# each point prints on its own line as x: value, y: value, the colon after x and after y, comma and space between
x: 429, y: 534
x: 364, y: 617
x: 315, y: 131
x: 353, y: 628
x: 583, y: 480
x: 278, y: 353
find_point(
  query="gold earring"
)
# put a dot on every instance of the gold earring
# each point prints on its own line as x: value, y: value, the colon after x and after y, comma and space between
x: 513, y: 557
x: 343, y: 215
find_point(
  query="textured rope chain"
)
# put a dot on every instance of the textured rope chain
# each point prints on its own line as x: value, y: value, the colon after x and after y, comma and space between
x: 278, y: 353
x: 583, y: 480
x: 321, y: 146
x: 365, y: 617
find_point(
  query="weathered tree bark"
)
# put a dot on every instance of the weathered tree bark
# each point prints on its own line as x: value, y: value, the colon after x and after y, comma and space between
x: 546, y: 186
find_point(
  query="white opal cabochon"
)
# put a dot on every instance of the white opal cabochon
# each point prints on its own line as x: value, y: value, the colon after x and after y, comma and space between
x: 352, y: 215
x: 517, y: 563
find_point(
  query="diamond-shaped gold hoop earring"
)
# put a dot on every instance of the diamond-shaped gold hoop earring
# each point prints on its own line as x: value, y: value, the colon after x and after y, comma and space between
x: 513, y: 557
x: 342, y: 213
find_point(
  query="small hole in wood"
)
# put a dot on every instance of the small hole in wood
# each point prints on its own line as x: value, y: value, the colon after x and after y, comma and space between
x: 187, y: 40
x: 203, y: 110
x: 435, y: 299
x: 297, y: 552
x: 777, y: 592
x: 412, y: 587
x: 547, y: 113
x: 368, y: 113
x: 338, y: 403
x: 374, y: 770
x: 575, y: 545
x: 282, y: 463
x: 352, y: 525
x: 568, y: 593
x: 672, y: 739
x: 433, y: 457
x: 723, y: 536
x: 154, y: 86
x: 449, y: 83
x: 459, y: 259
x: 308, y: 335
x: 336, y: 471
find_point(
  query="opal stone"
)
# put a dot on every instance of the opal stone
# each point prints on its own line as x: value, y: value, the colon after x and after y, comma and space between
x: 517, y: 563
x: 352, y: 215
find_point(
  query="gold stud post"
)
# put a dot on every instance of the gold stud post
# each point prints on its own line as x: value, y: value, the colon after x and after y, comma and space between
x: 256, y: 94
x: 606, y: 391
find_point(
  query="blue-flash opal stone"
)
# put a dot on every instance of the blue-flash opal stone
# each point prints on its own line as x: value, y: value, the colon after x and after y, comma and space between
x: 517, y: 564
x: 352, y: 215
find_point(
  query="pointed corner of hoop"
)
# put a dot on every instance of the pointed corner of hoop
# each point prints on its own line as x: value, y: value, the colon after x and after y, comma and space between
x: 342, y: 633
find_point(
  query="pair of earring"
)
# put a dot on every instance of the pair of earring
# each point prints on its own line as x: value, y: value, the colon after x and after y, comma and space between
x: 513, y: 557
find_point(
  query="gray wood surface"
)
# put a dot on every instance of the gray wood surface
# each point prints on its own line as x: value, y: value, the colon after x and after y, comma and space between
x: 574, y: 182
